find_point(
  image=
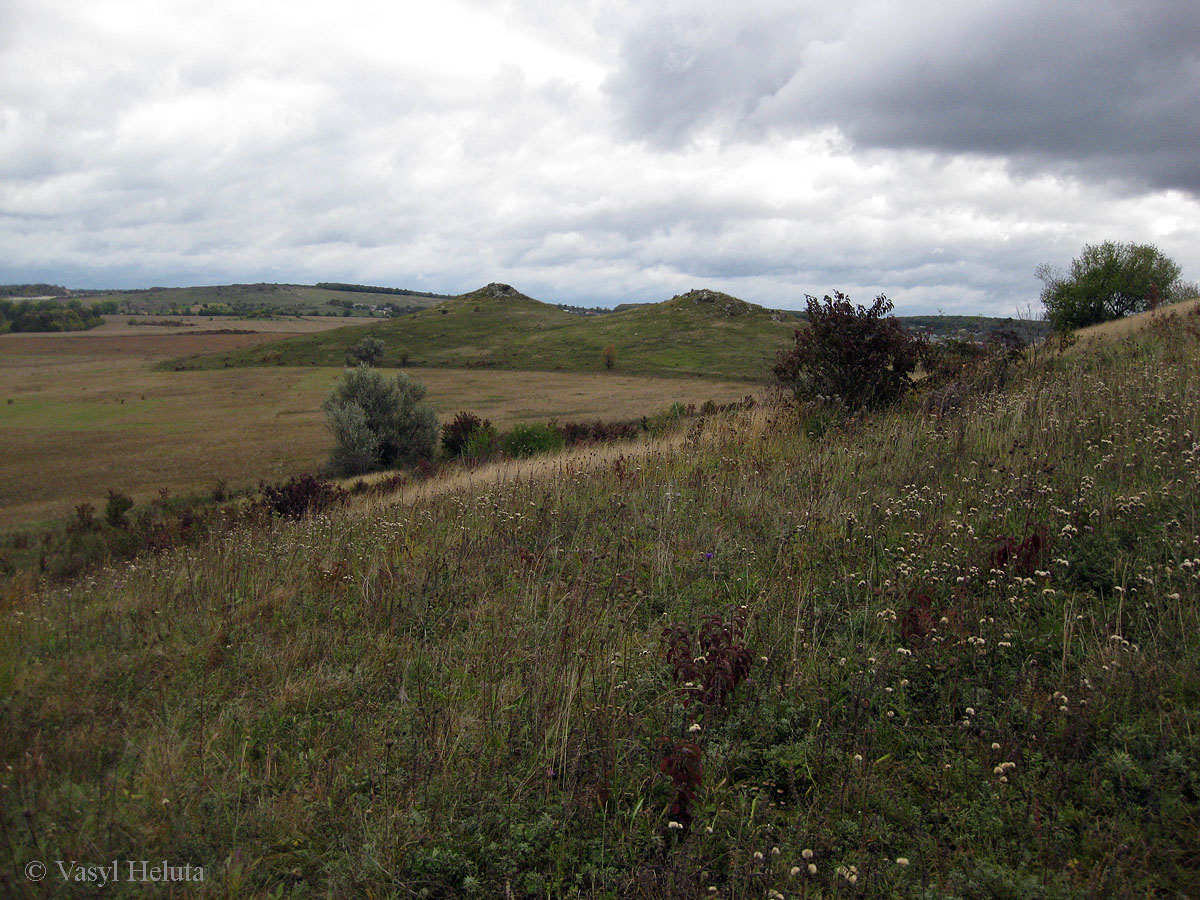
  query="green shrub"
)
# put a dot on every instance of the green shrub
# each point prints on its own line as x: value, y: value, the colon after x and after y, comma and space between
x: 481, y: 446
x: 530, y: 440
x: 114, y: 511
x: 662, y: 422
x: 369, y: 350
x: 378, y: 422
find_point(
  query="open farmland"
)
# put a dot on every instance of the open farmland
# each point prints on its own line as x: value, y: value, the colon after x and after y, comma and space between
x: 81, y: 413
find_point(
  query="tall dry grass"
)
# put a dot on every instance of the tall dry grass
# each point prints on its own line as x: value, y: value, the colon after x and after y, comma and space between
x: 465, y: 692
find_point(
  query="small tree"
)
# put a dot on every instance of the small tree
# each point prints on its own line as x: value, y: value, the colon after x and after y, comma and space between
x: 859, y: 355
x: 378, y: 422
x: 1106, y: 281
x: 369, y: 350
x: 610, y: 356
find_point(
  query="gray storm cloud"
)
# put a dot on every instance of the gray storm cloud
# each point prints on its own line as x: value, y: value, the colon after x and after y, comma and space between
x: 1107, y: 88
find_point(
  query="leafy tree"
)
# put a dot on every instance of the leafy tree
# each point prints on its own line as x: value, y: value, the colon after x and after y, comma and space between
x: 1106, y: 281
x: 610, y: 356
x: 378, y: 422
x: 369, y: 350
x: 859, y: 355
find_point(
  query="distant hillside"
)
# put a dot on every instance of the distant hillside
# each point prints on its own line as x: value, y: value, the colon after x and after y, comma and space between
x: 698, y: 333
x: 975, y: 326
x: 18, y: 291
x: 268, y: 299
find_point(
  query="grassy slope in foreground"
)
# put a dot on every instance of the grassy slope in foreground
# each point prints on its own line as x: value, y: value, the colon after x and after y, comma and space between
x: 467, y: 696
x: 699, y: 333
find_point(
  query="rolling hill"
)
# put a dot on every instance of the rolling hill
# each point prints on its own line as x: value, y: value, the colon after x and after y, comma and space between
x: 701, y: 332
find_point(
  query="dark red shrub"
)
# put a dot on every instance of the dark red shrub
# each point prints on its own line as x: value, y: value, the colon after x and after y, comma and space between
x: 860, y: 356
x: 709, y: 668
x: 299, y: 495
x: 456, y: 433
x: 683, y: 764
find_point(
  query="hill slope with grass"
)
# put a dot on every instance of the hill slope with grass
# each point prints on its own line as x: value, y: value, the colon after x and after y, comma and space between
x: 919, y: 656
x: 698, y: 333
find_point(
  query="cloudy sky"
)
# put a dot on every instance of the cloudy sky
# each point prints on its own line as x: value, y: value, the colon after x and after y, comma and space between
x: 598, y: 152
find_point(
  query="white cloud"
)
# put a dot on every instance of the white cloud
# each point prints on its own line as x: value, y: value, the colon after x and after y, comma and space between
x: 596, y: 153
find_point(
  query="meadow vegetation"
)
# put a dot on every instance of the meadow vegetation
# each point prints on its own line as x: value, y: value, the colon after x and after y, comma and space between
x: 945, y: 651
x: 83, y: 412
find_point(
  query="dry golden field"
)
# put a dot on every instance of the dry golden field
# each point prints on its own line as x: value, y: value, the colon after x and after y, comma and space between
x: 1121, y: 328
x: 81, y: 413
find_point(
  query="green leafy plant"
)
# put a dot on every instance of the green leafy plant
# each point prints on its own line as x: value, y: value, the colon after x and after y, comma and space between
x: 531, y: 440
x: 114, y: 510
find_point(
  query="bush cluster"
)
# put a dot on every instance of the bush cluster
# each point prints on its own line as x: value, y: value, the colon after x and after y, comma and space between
x: 299, y: 496
x: 47, y: 315
x: 458, y: 432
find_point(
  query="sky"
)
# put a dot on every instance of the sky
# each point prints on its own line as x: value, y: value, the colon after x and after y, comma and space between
x: 595, y: 153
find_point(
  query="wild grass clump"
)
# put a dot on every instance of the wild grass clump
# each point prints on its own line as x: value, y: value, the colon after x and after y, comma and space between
x: 959, y: 658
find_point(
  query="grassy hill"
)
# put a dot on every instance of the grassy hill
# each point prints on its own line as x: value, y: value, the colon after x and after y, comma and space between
x: 917, y: 657
x: 698, y: 333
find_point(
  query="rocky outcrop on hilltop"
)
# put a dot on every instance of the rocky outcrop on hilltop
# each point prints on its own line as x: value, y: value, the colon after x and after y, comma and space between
x: 501, y: 291
x: 720, y: 304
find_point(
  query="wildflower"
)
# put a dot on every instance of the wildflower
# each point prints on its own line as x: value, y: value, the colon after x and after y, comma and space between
x: 774, y: 851
x: 794, y: 871
x: 694, y: 727
x: 812, y: 868
x: 970, y: 710
x: 807, y: 854
x: 674, y: 826
x: 902, y: 860
x: 758, y: 854
x: 995, y: 746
